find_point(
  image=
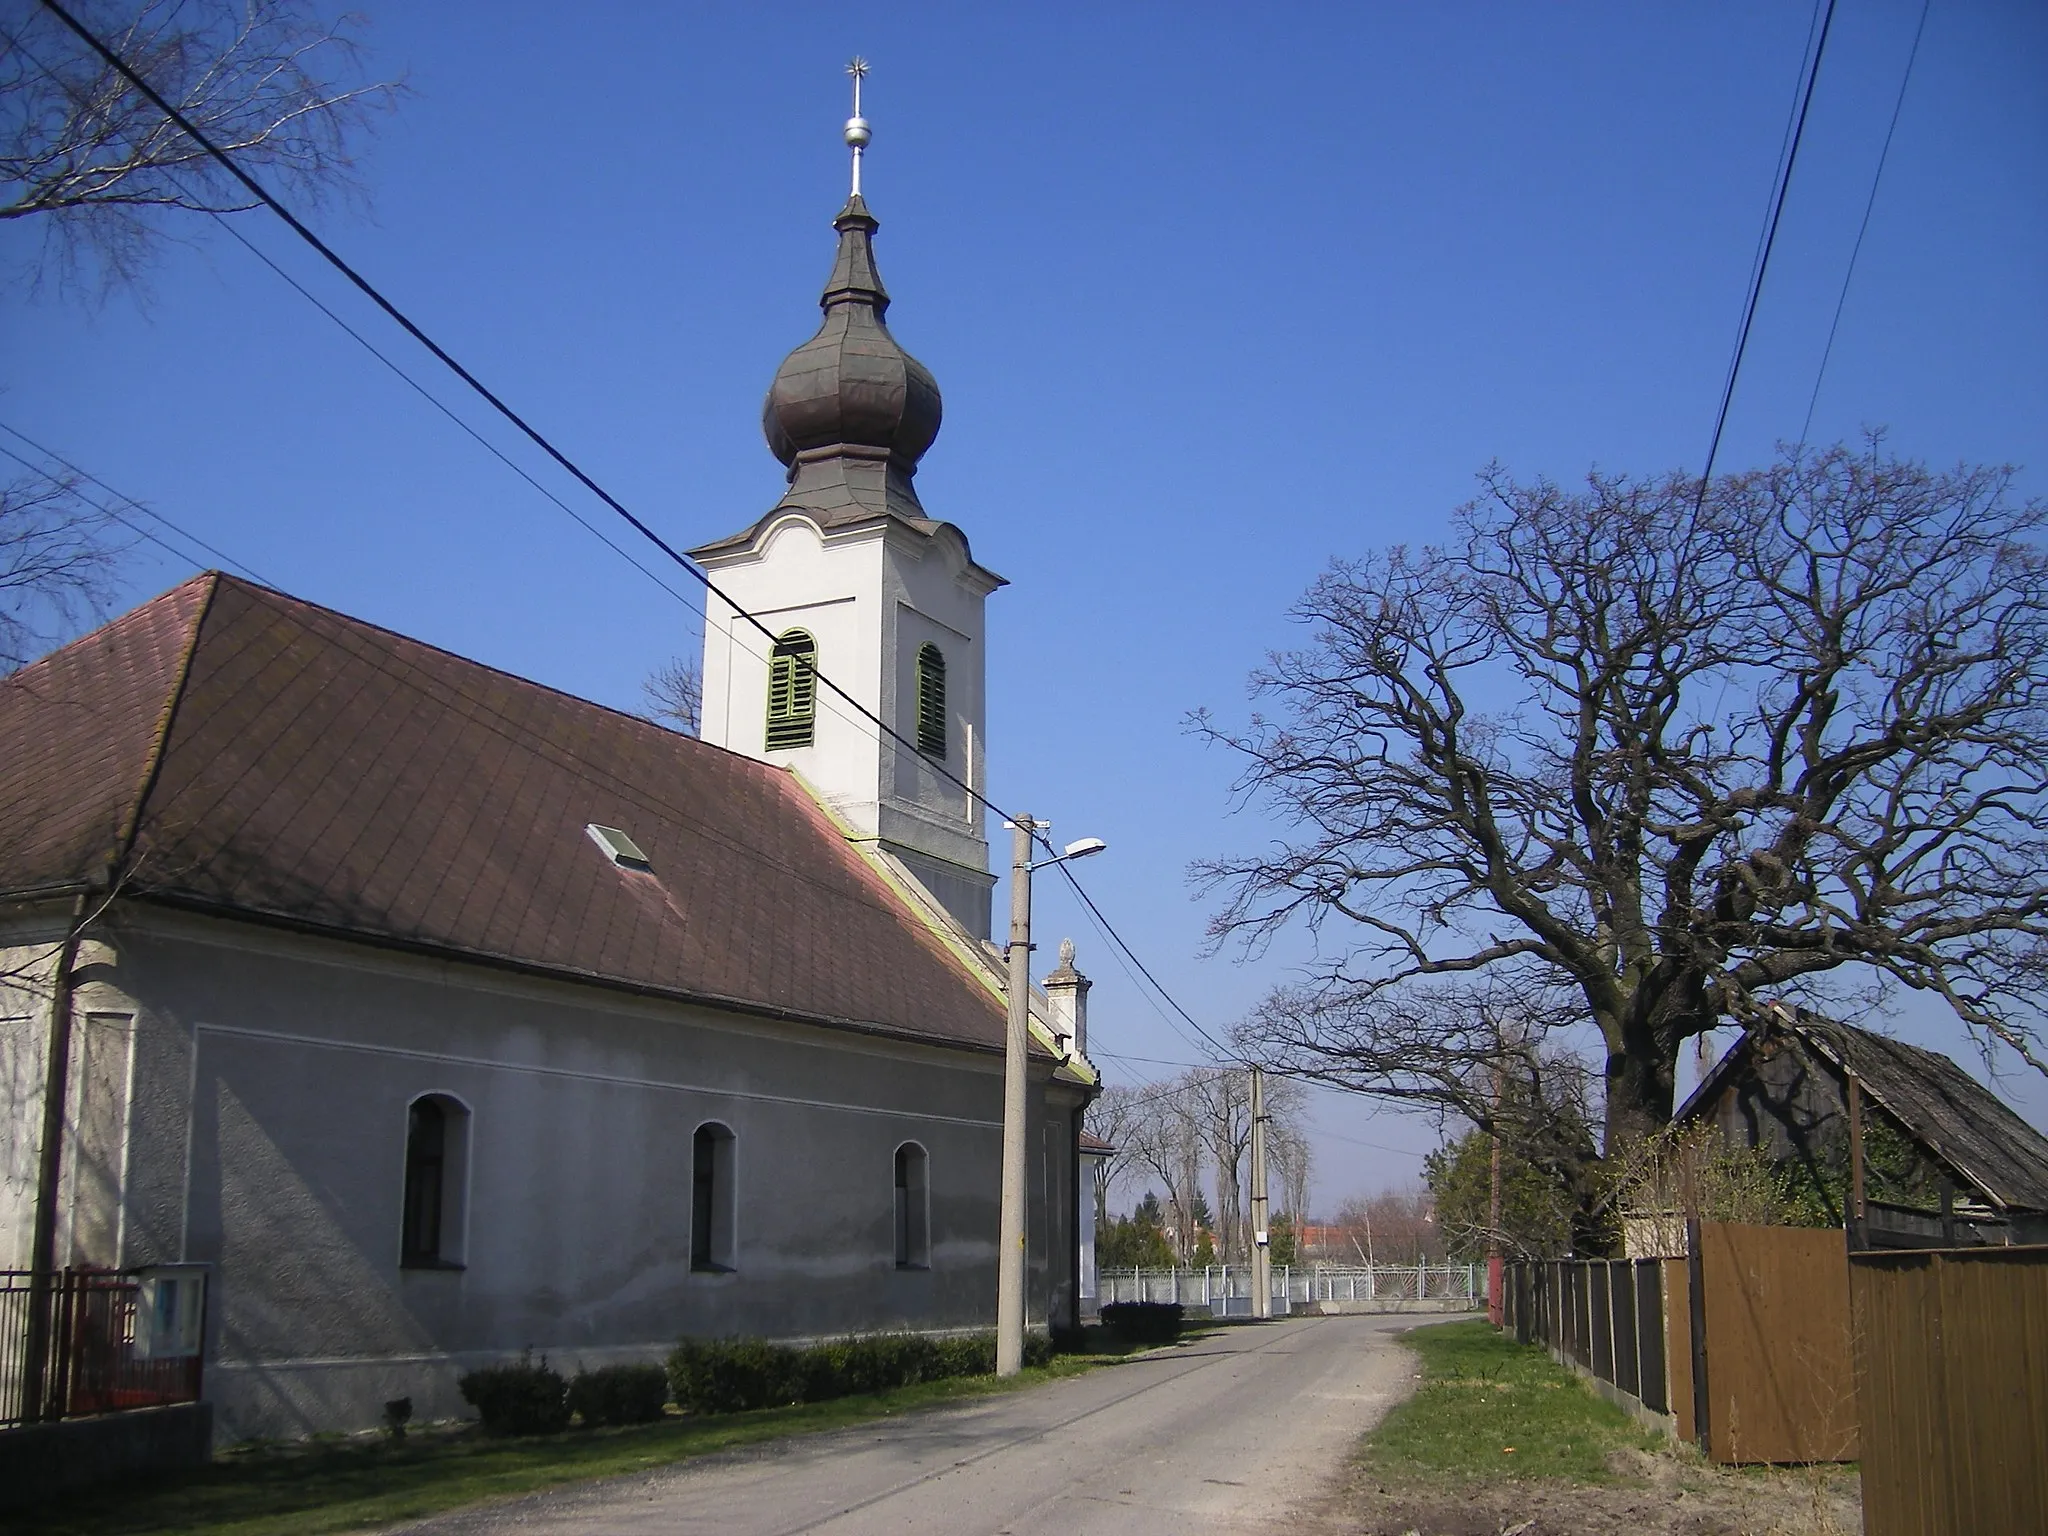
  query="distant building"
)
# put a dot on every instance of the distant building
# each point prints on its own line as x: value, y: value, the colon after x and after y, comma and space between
x: 1947, y: 1161
x: 447, y: 1016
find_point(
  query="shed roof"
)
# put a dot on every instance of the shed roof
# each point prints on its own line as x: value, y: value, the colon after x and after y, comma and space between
x: 1934, y: 1101
x: 231, y: 749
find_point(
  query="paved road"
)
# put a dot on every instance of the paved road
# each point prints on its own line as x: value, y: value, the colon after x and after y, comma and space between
x: 1227, y: 1434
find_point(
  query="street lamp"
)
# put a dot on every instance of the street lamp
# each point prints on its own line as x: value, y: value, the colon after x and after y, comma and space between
x: 1010, y: 1241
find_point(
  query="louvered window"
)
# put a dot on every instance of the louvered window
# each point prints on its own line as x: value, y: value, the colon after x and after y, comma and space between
x: 792, y: 691
x: 931, y: 701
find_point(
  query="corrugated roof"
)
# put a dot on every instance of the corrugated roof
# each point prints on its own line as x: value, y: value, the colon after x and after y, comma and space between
x: 1935, y: 1101
x: 281, y: 761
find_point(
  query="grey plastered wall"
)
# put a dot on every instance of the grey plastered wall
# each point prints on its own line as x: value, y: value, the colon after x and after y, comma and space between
x: 266, y: 1130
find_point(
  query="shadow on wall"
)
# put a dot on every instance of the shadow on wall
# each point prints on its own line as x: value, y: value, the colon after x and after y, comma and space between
x: 299, y: 1307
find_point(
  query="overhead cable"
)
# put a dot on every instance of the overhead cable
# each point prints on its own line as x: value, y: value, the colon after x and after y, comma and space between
x: 406, y: 323
x: 1763, y: 262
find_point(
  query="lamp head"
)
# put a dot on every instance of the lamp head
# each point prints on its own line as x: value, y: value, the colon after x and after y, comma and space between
x: 1083, y: 847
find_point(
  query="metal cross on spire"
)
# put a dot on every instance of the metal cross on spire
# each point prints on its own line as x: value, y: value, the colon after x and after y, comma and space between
x: 857, y: 134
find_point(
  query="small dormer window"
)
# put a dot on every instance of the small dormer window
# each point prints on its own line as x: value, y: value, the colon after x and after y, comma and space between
x: 792, y: 691
x: 931, y: 701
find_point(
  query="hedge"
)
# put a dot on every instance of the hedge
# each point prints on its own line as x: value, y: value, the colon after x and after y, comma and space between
x: 619, y: 1394
x: 522, y: 1399
x: 1144, y: 1322
x: 734, y: 1375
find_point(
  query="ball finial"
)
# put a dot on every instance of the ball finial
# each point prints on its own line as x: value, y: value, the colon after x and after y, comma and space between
x: 857, y: 132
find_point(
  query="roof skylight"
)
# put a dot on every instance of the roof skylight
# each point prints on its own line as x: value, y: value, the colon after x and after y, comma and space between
x: 618, y: 847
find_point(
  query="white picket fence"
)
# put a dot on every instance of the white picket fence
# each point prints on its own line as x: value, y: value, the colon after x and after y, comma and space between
x: 1227, y: 1288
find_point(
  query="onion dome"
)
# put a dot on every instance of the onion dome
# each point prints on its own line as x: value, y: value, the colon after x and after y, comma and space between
x: 850, y: 401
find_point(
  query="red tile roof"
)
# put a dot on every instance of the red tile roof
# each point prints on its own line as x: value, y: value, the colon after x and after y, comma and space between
x: 239, y: 751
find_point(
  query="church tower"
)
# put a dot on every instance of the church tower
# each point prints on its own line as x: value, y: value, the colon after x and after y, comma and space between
x: 854, y: 581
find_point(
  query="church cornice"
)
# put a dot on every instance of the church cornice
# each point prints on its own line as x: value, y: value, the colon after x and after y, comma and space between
x: 915, y: 536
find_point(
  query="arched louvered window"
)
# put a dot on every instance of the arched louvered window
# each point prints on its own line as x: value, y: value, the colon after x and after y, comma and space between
x: 931, y: 701
x: 792, y: 691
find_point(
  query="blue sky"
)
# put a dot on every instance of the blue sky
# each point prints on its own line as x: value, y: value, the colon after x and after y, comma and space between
x: 1214, y: 294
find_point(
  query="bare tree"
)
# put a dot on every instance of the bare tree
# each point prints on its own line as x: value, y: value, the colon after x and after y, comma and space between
x: 1166, y: 1142
x: 268, y: 81
x: 58, y: 551
x: 1392, y: 1227
x: 1293, y: 1160
x: 1114, y: 1117
x: 1637, y: 755
x: 675, y: 695
x: 1220, y: 1100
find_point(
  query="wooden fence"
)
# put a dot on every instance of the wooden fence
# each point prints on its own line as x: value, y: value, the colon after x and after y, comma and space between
x: 1952, y: 1379
x: 1780, y: 1374
x: 1771, y: 1347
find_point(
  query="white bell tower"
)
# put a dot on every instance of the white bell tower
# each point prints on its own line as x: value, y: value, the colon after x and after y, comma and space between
x: 856, y: 583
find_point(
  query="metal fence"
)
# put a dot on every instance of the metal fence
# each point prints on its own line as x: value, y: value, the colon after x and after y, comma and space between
x: 1223, y: 1287
x: 102, y: 1351
x: 1605, y: 1316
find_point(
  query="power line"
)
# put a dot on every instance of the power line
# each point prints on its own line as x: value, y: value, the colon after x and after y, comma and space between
x: 1763, y: 262
x: 1864, y: 228
x: 108, y: 511
x: 370, y: 291
x: 1168, y: 1090
x: 1118, y: 940
x: 448, y: 360
x: 438, y: 404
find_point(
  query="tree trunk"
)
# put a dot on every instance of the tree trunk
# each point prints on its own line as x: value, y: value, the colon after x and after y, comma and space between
x: 1228, y: 1215
x: 1641, y: 1080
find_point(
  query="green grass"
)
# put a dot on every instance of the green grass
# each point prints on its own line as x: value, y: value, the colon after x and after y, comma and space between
x: 1490, y: 1409
x: 316, y: 1487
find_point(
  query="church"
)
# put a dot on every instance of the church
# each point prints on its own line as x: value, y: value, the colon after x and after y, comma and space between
x: 441, y: 1016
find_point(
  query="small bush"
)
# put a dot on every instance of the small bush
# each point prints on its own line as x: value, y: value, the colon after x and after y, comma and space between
x: 733, y: 1375
x: 971, y: 1354
x: 619, y: 1394
x: 1144, y: 1322
x: 522, y: 1399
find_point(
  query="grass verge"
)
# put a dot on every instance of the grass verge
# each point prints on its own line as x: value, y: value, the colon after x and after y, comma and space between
x: 311, y: 1489
x: 1489, y: 1410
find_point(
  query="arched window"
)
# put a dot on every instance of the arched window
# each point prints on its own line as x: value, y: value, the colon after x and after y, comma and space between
x: 436, y: 1178
x: 931, y: 701
x: 711, y: 1198
x: 792, y: 691
x: 913, y: 1209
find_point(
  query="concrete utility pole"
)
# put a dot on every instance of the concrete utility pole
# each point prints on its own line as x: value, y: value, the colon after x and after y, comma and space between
x: 1010, y: 1258
x: 1016, y: 1103
x: 1262, y: 1253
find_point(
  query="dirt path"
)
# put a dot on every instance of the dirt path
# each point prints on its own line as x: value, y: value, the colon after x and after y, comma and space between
x: 1660, y: 1495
